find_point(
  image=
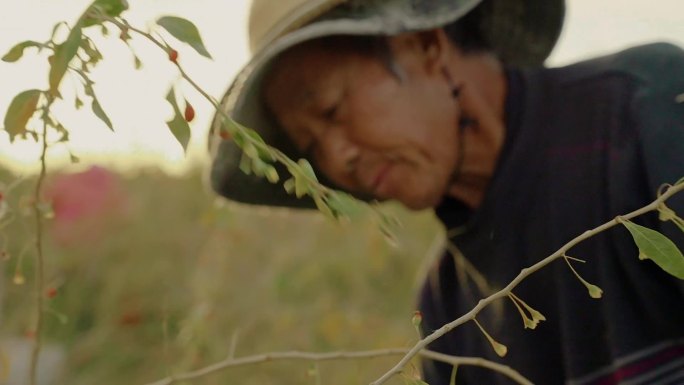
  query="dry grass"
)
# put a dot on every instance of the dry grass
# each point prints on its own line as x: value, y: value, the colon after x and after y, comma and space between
x: 162, y: 285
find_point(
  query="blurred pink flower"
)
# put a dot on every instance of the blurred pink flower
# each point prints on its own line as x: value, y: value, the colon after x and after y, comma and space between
x: 85, y: 203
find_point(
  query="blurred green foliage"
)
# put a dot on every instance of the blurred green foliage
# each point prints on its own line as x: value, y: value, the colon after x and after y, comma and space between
x: 167, y: 281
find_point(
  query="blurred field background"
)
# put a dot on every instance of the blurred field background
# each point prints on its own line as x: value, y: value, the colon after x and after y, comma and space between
x: 154, y: 276
x: 151, y: 276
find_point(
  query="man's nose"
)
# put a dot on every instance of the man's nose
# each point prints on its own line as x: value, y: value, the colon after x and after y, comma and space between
x: 339, y: 151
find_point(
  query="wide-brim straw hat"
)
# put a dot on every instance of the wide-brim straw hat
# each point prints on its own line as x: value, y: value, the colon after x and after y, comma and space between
x: 520, y: 32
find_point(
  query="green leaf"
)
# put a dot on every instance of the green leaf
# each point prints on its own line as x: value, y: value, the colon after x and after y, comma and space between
x: 63, y: 55
x: 289, y: 185
x: 20, y: 111
x: 307, y: 169
x: 245, y: 164
x: 93, y: 53
x: 657, y: 247
x: 259, y: 167
x: 301, y: 187
x: 346, y: 205
x: 184, y: 31
x: 137, y: 62
x: 99, y: 112
x: 55, y: 28
x: 250, y: 150
x: 178, y: 126
x: 111, y: 8
x: 15, y: 53
x: 323, y: 207
x: 272, y: 174
x: 239, y: 138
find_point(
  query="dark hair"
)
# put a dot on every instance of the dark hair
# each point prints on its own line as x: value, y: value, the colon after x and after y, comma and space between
x: 366, y: 45
x: 467, y: 32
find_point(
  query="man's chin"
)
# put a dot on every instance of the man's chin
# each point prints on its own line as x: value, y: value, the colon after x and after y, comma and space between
x: 420, y: 203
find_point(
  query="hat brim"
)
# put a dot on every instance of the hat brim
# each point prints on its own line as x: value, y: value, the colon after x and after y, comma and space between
x: 520, y: 32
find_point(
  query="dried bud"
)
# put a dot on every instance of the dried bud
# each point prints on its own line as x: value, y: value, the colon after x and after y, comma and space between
x: 124, y: 35
x: 19, y: 279
x: 417, y: 318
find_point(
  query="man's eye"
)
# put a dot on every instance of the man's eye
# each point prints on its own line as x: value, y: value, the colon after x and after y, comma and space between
x: 330, y: 113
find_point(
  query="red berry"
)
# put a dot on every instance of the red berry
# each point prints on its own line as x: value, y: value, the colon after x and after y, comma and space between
x: 173, y: 55
x: 130, y: 318
x: 51, y: 292
x: 224, y: 134
x: 189, y: 112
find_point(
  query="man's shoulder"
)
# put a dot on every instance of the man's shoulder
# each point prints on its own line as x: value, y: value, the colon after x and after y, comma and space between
x: 655, y: 65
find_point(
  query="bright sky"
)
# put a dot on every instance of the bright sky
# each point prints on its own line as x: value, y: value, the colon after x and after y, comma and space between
x: 135, y: 99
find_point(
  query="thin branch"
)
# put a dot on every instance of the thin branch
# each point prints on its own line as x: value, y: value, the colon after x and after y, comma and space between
x: 467, y: 269
x: 524, y: 273
x: 318, y: 357
x: 477, y: 361
x: 277, y: 154
x: 39, y: 269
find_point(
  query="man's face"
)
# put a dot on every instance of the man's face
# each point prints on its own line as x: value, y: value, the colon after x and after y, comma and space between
x: 366, y: 129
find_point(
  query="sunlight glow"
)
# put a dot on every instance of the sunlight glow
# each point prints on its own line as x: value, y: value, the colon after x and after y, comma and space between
x: 135, y: 99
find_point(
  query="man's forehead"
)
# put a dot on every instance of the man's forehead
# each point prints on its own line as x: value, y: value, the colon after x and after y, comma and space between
x: 298, y: 75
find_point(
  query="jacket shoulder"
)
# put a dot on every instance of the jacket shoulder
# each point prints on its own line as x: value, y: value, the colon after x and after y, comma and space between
x: 656, y: 65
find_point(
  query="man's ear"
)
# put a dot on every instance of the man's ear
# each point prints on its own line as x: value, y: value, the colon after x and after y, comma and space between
x: 425, y: 51
x: 436, y: 49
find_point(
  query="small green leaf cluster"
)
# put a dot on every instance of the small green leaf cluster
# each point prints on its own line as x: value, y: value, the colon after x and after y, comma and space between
x: 258, y: 158
x: 78, y: 54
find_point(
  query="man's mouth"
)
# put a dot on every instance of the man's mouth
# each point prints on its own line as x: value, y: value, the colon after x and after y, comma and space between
x: 381, y: 177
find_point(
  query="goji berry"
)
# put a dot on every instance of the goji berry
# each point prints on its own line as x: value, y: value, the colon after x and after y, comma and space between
x: 51, y: 292
x: 189, y: 112
x: 173, y: 55
x: 130, y: 318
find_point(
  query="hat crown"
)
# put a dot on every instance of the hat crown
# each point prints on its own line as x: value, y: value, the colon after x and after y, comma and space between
x: 269, y: 19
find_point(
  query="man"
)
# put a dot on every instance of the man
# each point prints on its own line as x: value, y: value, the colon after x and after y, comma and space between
x: 445, y: 105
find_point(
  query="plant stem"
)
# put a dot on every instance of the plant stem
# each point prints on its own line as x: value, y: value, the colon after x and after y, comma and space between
x: 524, y: 273
x: 39, y: 268
x: 317, y: 357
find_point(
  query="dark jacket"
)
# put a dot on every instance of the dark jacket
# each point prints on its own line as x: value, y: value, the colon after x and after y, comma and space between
x: 584, y: 144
